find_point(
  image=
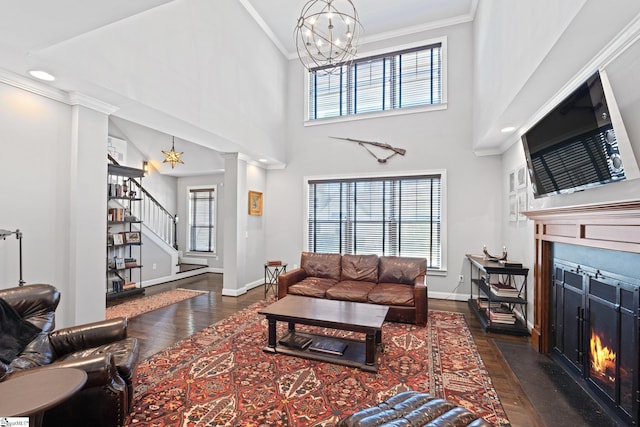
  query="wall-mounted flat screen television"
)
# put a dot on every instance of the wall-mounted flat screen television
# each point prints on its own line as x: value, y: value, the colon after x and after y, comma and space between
x: 581, y: 143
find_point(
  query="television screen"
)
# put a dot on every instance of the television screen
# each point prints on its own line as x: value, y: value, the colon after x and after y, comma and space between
x: 574, y: 146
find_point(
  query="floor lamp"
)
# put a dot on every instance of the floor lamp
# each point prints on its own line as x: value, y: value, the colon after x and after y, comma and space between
x: 6, y: 233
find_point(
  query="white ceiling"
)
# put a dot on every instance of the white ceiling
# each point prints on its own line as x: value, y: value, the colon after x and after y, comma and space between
x: 30, y: 27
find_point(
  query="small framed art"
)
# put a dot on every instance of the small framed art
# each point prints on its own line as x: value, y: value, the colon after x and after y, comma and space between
x: 118, y: 239
x: 512, y: 182
x: 255, y: 203
x: 521, y: 177
x: 132, y: 237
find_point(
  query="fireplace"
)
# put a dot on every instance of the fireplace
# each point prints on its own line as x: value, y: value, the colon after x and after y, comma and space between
x: 586, y: 312
x: 594, y: 328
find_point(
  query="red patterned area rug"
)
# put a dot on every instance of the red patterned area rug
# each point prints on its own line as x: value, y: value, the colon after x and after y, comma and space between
x: 143, y: 305
x: 221, y: 376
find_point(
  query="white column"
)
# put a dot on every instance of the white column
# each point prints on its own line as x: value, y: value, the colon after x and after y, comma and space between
x: 87, y: 209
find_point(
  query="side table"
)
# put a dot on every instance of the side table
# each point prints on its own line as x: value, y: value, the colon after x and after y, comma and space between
x: 271, y: 273
x: 32, y: 393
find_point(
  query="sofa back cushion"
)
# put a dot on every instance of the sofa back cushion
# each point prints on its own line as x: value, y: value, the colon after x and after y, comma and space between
x: 362, y: 268
x: 326, y: 266
x: 401, y: 269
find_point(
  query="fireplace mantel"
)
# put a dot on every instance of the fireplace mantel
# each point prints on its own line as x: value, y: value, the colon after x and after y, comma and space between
x: 613, y: 225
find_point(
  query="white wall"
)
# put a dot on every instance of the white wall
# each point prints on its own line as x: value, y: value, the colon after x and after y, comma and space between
x: 433, y: 140
x: 255, y: 236
x: 216, y: 260
x: 229, y: 96
x: 244, y: 234
x: 528, y: 51
x: 53, y: 190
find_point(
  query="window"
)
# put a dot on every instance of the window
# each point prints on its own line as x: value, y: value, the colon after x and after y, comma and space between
x: 400, y: 216
x: 393, y: 81
x: 202, y: 219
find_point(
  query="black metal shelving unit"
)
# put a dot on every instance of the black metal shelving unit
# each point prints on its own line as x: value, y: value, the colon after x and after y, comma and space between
x: 483, y: 273
x: 120, y: 200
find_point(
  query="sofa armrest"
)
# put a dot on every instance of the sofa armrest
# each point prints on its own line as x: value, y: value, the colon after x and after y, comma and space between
x: 100, y: 368
x: 82, y: 337
x: 102, y: 402
x: 289, y: 278
x: 421, y: 300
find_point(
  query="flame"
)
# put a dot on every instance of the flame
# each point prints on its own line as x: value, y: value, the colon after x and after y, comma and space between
x: 603, y: 360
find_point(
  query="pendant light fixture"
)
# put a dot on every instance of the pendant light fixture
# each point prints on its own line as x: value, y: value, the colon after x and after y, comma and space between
x: 172, y: 156
x: 327, y: 34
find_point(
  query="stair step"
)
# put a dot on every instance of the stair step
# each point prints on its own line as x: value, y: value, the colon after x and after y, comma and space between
x: 189, y: 267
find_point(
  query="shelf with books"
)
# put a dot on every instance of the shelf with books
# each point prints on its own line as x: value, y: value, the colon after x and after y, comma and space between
x: 498, y: 295
x: 124, y: 232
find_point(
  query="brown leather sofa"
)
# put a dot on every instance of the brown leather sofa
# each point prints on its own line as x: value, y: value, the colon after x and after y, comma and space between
x: 398, y: 282
x: 101, y: 349
x: 411, y: 408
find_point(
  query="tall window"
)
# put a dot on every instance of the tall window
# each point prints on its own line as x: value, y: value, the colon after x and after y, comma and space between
x: 402, y: 79
x: 398, y: 216
x: 202, y: 220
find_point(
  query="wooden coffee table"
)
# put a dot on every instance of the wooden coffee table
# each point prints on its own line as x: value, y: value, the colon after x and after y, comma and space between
x: 342, y: 315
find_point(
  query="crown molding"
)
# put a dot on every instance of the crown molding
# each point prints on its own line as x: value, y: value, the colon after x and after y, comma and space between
x: 20, y: 82
x: 44, y: 90
x: 77, y: 98
x: 443, y: 23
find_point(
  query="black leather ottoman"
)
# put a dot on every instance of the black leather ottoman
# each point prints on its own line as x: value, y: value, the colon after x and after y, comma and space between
x: 412, y: 409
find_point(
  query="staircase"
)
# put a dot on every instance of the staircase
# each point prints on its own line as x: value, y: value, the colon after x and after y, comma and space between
x: 153, y: 215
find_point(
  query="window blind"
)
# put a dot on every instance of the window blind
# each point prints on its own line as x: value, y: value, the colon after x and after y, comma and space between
x: 398, y: 216
x: 402, y: 79
x: 202, y: 219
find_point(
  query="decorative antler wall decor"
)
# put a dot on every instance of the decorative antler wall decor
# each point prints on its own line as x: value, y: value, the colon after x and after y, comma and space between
x: 383, y: 145
x: 490, y: 257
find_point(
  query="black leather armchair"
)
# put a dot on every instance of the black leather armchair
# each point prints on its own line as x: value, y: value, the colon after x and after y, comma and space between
x: 101, y: 349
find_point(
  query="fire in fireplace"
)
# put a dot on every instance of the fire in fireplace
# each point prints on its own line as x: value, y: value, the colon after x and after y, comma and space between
x: 603, y: 360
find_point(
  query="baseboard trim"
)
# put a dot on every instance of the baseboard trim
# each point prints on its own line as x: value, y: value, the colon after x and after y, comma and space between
x: 243, y: 290
x: 448, y: 296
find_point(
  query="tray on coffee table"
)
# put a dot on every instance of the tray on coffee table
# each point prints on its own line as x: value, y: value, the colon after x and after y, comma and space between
x: 341, y: 315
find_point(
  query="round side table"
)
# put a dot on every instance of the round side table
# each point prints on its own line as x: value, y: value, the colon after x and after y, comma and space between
x: 32, y: 393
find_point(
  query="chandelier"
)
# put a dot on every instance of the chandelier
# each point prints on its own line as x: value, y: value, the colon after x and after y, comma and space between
x: 172, y: 156
x: 327, y: 33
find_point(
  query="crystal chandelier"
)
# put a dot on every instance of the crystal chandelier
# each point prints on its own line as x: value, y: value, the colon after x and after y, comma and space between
x: 172, y: 156
x: 327, y: 33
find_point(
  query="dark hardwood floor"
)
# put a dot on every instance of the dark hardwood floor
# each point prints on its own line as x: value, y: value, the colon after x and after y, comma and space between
x: 163, y: 327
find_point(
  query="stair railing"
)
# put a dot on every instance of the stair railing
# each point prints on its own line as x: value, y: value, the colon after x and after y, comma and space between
x: 159, y: 220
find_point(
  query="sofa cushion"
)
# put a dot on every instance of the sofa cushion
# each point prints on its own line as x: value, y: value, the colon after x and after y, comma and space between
x: 350, y: 290
x: 326, y: 266
x: 312, y: 287
x: 392, y: 294
x: 360, y: 267
x: 401, y: 269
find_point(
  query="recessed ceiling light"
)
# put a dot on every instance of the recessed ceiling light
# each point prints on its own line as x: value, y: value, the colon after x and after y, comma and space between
x: 262, y: 160
x: 507, y: 129
x: 41, y: 75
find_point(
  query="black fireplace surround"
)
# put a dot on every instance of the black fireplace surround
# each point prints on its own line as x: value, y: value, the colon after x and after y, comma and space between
x: 594, y: 322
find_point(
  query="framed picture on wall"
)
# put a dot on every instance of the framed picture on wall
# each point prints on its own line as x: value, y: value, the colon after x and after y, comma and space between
x: 522, y: 205
x: 521, y: 177
x: 255, y: 203
x: 512, y: 182
x: 513, y: 209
